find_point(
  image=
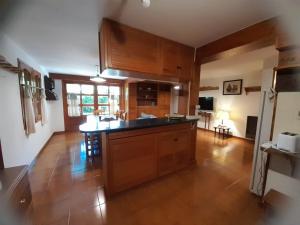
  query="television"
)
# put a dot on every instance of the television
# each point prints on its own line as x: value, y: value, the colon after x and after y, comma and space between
x: 206, y: 103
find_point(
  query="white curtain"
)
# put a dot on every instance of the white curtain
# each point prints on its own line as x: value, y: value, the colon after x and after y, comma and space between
x: 29, y: 111
x: 44, y: 110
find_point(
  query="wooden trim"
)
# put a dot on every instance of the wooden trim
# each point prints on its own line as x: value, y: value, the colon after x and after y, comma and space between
x: 274, y: 106
x: 252, y: 37
x: 59, y: 132
x: 1, y: 158
x: 208, y: 88
x: 252, y: 89
x: 82, y: 78
x: 4, y: 64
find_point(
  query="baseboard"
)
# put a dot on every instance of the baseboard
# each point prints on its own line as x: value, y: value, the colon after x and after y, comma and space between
x: 59, y: 132
x: 242, y: 138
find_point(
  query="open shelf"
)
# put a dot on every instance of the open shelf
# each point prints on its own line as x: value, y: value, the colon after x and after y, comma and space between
x: 208, y: 88
x: 252, y: 89
x: 147, y: 94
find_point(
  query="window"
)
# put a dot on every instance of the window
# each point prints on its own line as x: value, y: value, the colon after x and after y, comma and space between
x: 29, y: 78
x: 84, y: 99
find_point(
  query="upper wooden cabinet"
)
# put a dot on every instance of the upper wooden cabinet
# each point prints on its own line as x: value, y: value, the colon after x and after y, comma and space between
x: 134, y: 51
x: 177, y: 59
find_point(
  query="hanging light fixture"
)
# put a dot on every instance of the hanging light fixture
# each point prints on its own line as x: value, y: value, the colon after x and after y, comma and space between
x: 146, y: 3
x: 97, y: 78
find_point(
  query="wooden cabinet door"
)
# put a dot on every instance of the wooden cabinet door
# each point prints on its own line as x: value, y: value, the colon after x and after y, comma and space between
x: 132, y: 49
x: 170, y: 57
x: 173, y: 151
x: 133, y: 161
x: 186, y: 62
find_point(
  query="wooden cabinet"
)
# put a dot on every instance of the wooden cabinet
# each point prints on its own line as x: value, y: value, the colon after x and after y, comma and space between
x: 173, y: 150
x: 140, y: 54
x: 133, y: 157
x: 177, y: 60
x: 126, y: 48
x: 289, y: 58
x: 133, y: 161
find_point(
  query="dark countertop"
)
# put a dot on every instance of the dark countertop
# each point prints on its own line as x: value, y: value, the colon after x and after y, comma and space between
x: 119, y: 125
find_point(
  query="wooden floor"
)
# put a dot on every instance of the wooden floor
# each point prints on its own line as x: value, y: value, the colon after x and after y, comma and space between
x: 67, y: 188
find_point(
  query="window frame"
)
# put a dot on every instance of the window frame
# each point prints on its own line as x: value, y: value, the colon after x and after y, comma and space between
x: 96, y: 104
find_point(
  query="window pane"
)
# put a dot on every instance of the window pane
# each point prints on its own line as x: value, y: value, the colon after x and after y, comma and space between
x: 73, y: 111
x: 114, y: 109
x: 114, y: 99
x: 87, y: 99
x: 87, y: 110
x: 114, y: 90
x: 102, y: 90
x: 73, y: 99
x: 104, y: 110
x: 102, y: 99
x: 87, y: 89
x: 73, y: 88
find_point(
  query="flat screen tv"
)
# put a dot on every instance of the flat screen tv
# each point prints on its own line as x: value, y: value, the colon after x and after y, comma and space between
x: 206, y: 103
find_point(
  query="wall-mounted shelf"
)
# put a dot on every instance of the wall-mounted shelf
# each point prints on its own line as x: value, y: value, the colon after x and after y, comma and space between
x: 208, y: 88
x: 252, y: 89
x: 4, y: 64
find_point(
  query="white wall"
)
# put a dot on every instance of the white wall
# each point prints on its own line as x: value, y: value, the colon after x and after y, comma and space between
x: 239, y: 106
x: 17, y: 148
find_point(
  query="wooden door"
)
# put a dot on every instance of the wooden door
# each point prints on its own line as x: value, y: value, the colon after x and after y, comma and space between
x: 186, y: 62
x: 170, y: 58
x: 133, y: 161
x: 173, y: 151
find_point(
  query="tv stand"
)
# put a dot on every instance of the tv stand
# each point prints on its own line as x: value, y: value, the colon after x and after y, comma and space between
x: 207, y: 117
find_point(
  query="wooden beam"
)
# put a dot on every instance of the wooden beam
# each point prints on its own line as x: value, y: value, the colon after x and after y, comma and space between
x: 253, y: 37
x: 81, y: 78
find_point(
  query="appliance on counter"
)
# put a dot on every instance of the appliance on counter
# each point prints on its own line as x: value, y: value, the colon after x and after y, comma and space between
x: 206, y: 103
x: 49, y: 86
x: 289, y: 142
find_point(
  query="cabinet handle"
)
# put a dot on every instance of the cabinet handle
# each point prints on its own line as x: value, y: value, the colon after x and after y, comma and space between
x: 179, y: 67
x: 23, y: 200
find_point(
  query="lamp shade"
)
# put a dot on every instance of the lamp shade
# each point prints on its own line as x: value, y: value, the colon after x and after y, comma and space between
x: 223, y: 115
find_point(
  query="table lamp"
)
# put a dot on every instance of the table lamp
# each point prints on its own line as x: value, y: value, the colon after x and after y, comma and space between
x: 223, y: 115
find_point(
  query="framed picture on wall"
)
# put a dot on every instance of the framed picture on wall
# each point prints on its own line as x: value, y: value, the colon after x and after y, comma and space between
x: 232, y: 87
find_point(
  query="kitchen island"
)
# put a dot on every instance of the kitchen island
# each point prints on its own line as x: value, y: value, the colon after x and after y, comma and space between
x: 137, y: 151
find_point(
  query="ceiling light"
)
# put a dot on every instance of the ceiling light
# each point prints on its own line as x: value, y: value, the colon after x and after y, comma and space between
x: 97, y: 78
x: 146, y: 3
x: 177, y: 87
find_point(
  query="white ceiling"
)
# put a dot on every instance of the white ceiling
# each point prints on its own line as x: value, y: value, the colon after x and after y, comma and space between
x: 238, y: 65
x: 62, y: 35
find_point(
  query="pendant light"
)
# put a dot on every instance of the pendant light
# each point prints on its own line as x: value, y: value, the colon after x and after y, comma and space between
x: 146, y: 3
x: 97, y: 78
